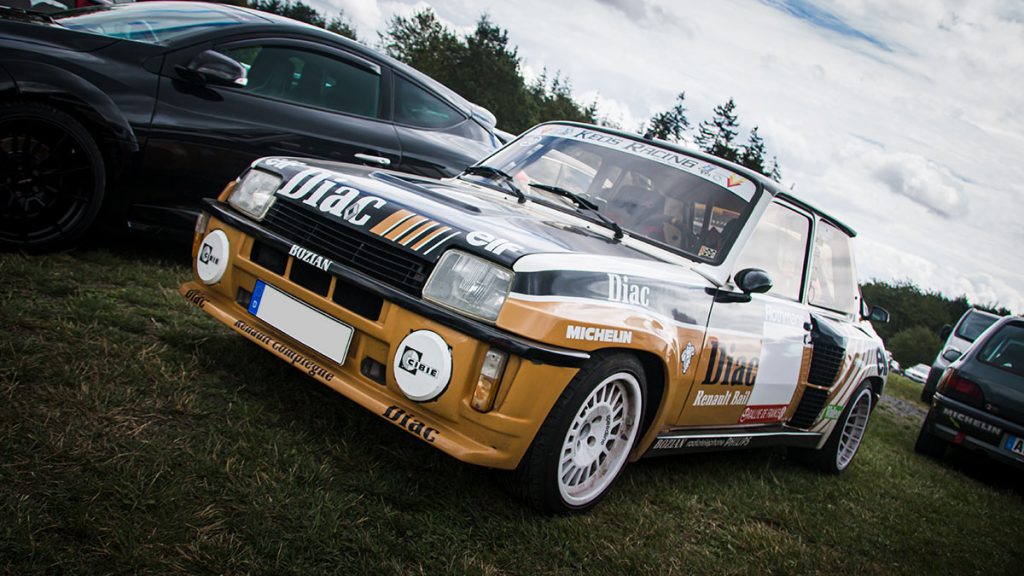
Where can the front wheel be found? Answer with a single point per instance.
(844, 442)
(584, 443)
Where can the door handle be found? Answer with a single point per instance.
(378, 160)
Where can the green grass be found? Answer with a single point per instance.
(138, 436)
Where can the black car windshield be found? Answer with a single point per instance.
(1005, 349)
(973, 325)
(665, 196)
(153, 23)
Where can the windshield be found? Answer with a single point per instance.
(1005, 349)
(973, 325)
(664, 196)
(153, 23)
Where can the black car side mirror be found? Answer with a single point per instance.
(879, 314)
(944, 333)
(210, 67)
(753, 281)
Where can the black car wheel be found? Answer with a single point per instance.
(844, 442)
(51, 177)
(929, 445)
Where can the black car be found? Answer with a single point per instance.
(136, 111)
(979, 402)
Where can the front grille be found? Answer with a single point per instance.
(826, 359)
(809, 408)
(378, 259)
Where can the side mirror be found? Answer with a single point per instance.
(753, 281)
(951, 354)
(945, 332)
(210, 67)
(879, 314)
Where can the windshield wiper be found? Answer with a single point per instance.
(580, 202)
(502, 176)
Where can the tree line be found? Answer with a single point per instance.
(916, 318)
(485, 68)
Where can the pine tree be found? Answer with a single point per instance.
(670, 125)
(716, 136)
(340, 24)
(773, 171)
(752, 154)
(424, 43)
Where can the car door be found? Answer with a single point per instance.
(756, 347)
(299, 99)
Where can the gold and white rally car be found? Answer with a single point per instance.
(580, 299)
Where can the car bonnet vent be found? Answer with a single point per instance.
(828, 352)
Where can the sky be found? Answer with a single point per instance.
(897, 117)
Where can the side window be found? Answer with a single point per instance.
(832, 283)
(417, 107)
(779, 247)
(309, 78)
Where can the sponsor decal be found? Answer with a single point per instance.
(212, 260)
(297, 358)
(727, 398)
(832, 411)
(621, 289)
(687, 356)
(593, 334)
(725, 178)
(282, 163)
(328, 193)
(957, 418)
(423, 365)
(881, 362)
(707, 252)
(677, 443)
(196, 297)
(206, 255)
(406, 420)
(725, 367)
(489, 242)
(760, 414)
(310, 257)
(418, 233)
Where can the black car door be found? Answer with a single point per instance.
(299, 99)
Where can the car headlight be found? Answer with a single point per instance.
(469, 284)
(254, 195)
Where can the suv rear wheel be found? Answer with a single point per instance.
(52, 178)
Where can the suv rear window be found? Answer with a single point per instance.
(1005, 349)
(973, 325)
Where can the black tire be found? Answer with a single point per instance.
(929, 445)
(52, 178)
(839, 450)
(927, 394)
(586, 399)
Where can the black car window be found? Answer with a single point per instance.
(973, 325)
(417, 107)
(779, 247)
(309, 78)
(1005, 349)
(832, 283)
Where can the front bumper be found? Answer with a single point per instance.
(533, 379)
(974, 429)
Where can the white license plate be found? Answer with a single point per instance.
(301, 321)
(1014, 444)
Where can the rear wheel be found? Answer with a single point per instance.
(929, 445)
(844, 442)
(584, 443)
(51, 177)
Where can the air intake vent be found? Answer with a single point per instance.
(809, 408)
(829, 350)
(378, 259)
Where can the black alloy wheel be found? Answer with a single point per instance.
(51, 178)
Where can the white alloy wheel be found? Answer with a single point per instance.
(599, 438)
(853, 429)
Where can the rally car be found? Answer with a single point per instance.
(580, 299)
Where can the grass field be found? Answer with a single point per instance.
(138, 436)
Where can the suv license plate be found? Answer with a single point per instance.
(301, 321)
(1014, 444)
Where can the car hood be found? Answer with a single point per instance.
(427, 217)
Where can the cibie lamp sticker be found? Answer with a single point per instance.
(422, 365)
(212, 260)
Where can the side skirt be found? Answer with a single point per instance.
(676, 442)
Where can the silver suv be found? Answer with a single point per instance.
(958, 338)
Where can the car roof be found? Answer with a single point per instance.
(769, 185)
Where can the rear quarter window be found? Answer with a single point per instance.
(1005, 349)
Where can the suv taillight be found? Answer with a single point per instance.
(955, 386)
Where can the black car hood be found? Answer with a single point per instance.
(426, 217)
